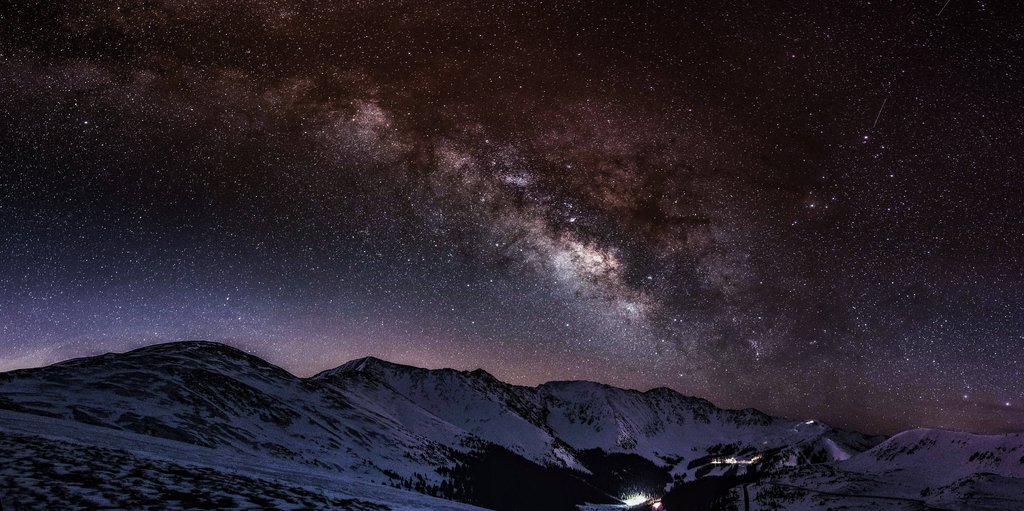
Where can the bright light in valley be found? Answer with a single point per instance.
(635, 499)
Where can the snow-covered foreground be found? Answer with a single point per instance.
(56, 464)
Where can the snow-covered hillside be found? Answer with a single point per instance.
(53, 463)
(938, 456)
(685, 432)
(392, 431)
(916, 469)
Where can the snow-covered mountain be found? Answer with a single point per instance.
(916, 469)
(920, 452)
(374, 433)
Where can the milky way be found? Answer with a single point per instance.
(811, 210)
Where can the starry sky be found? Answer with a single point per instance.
(811, 208)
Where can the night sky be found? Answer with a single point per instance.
(816, 210)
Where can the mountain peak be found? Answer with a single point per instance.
(364, 365)
(211, 355)
(198, 350)
(196, 346)
(374, 365)
(480, 373)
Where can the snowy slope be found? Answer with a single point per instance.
(921, 453)
(58, 464)
(921, 468)
(660, 425)
(667, 427)
(210, 395)
(474, 402)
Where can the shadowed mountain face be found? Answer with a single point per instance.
(462, 436)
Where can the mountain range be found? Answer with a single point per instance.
(201, 425)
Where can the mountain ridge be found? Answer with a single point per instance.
(461, 435)
(369, 362)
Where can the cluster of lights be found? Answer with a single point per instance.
(637, 498)
(732, 460)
